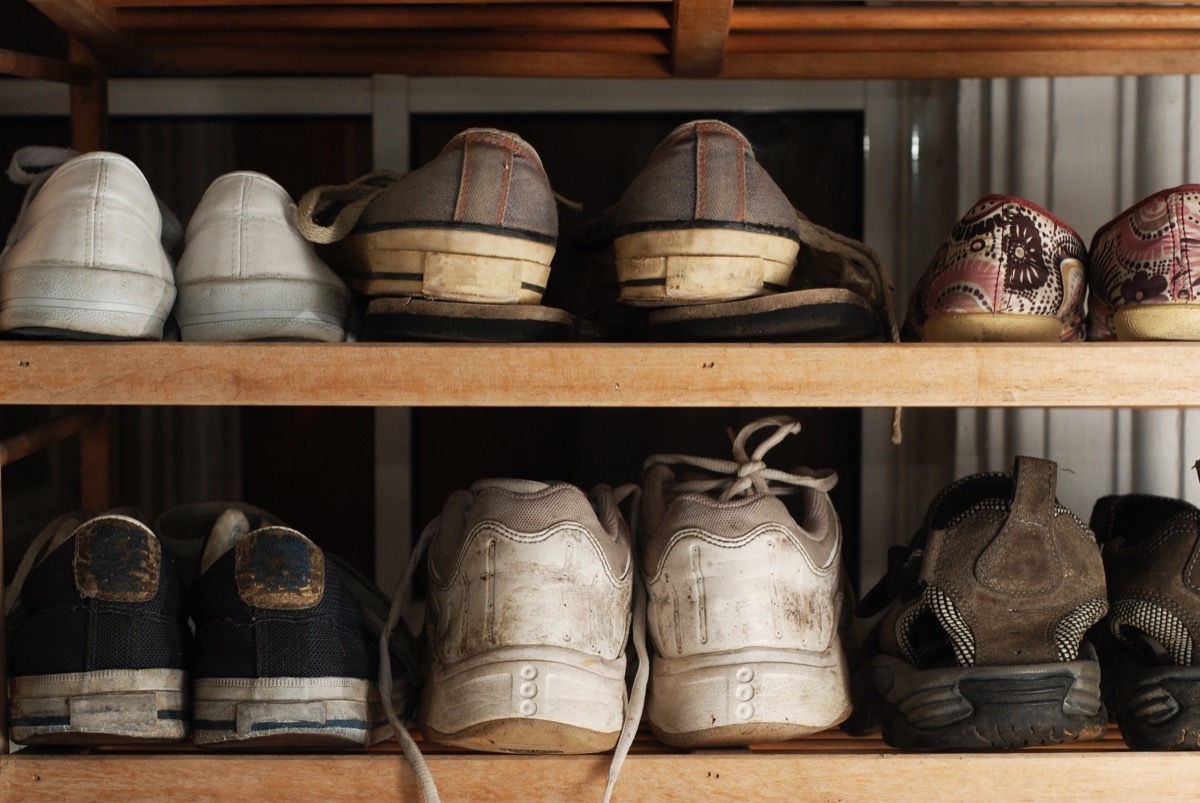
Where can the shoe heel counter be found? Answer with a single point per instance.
(278, 569)
(502, 185)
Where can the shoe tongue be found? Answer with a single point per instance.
(231, 526)
(516, 486)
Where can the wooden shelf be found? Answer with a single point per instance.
(823, 767)
(602, 375)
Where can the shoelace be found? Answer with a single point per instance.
(34, 164)
(637, 694)
(37, 549)
(356, 196)
(747, 470)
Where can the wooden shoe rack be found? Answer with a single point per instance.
(686, 38)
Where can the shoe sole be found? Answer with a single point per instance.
(445, 264)
(73, 301)
(508, 701)
(1171, 321)
(981, 708)
(101, 707)
(286, 712)
(986, 327)
(262, 309)
(697, 266)
(746, 696)
(812, 316)
(1158, 707)
(400, 319)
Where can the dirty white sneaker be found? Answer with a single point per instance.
(85, 257)
(248, 274)
(744, 597)
(529, 607)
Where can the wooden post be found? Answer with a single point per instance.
(698, 37)
(95, 462)
(89, 102)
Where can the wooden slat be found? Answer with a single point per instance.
(929, 17)
(95, 27)
(544, 16)
(602, 375)
(89, 102)
(390, 61)
(28, 66)
(945, 41)
(667, 778)
(218, 3)
(23, 444)
(698, 36)
(559, 41)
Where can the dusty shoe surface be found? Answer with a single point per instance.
(1009, 271)
(980, 645)
(1151, 664)
(1145, 272)
(247, 274)
(85, 258)
(744, 597)
(99, 645)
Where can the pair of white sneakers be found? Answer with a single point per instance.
(89, 257)
(534, 589)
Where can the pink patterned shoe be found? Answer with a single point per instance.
(1009, 271)
(1145, 270)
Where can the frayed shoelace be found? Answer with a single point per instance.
(637, 694)
(747, 472)
(34, 164)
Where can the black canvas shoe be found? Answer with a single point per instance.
(981, 643)
(98, 649)
(282, 655)
(1148, 642)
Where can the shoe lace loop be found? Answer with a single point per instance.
(352, 199)
(747, 472)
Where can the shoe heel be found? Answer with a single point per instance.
(284, 712)
(1171, 321)
(262, 309)
(445, 264)
(695, 266)
(746, 697)
(74, 301)
(100, 707)
(986, 327)
(560, 702)
(1158, 707)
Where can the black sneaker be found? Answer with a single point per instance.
(98, 636)
(282, 655)
(1148, 642)
(981, 643)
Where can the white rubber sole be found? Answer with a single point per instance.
(262, 309)
(445, 264)
(286, 712)
(698, 266)
(71, 299)
(101, 707)
(747, 697)
(526, 700)
(979, 327)
(1170, 321)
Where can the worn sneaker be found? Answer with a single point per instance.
(1151, 665)
(247, 274)
(85, 258)
(1008, 271)
(98, 649)
(528, 614)
(474, 229)
(744, 597)
(1143, 273)
(282, 657)
(981, 644)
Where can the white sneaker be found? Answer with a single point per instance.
(248, 274)
(85, 257)
(528, 613)
(744, 601)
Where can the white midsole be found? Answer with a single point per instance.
(134, 703)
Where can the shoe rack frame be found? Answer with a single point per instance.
(596, 38)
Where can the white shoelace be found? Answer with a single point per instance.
(637, 694)
(748, 471)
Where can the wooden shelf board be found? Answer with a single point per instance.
(602, 375)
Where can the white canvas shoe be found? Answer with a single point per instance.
(85, 257)
(744, 600)
(248, 274)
